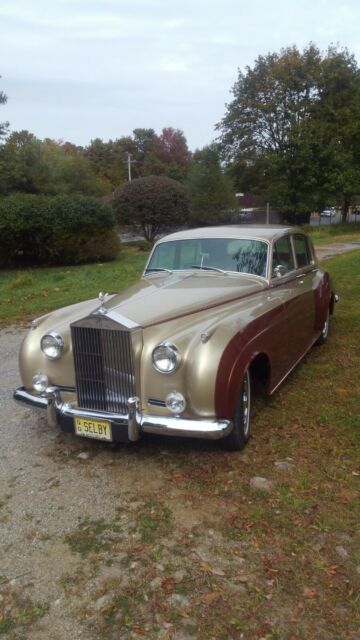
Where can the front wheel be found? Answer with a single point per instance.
(241, 431)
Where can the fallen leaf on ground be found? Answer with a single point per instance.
(332, 569)
(211, 598)
(212, 571)
(138, 630)
(168, 585)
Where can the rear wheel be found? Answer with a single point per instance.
(241, 431)
(325, 330)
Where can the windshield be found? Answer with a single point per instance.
(241, 255)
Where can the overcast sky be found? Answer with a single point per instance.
(80, 69)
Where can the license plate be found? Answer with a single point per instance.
(88, 428)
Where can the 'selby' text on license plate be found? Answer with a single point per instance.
(99, 429)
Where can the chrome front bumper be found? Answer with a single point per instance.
(135, 422)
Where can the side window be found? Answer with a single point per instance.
(302, 251)
(283, 255)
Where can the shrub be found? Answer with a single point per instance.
(152, 204)
(55, 230)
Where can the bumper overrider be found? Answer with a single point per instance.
(124, 428)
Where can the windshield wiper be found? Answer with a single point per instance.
(206, 268)
(158, 269)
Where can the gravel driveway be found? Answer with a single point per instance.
(50, 483)
(74, 516)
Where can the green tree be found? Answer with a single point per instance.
(30, 165)
(282, 134)
(336, 125)
(3, 125)
(24, 169)
(212, 192)
(152, 204)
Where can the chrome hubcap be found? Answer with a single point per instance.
(246, 404)
(326, 326)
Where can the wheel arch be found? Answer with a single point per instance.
(231, 374)
(260, 369)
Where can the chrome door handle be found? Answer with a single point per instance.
(301, 275)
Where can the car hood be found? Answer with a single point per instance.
(158, 298)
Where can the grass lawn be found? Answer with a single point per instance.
(28, 293)
(334, 233)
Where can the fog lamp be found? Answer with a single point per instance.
(175, 402)
(40, 382)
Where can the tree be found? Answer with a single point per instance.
(212, 192)
(30, 165)
(24, 169)
(152, 204)
(172, 154)
(282, 135)
(337, 122)
(3, 125)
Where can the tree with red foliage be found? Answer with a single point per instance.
(171, 149)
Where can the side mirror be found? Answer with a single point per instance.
(279, 270)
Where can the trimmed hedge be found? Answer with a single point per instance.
(42, 230)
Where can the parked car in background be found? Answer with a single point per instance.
(216, 310)
(329, 212)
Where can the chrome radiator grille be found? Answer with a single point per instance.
(103, 368)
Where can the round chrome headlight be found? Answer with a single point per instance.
(166, 358)
(52, 345)
(175, 402)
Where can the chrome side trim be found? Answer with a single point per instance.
(137, 423)
(294, 365)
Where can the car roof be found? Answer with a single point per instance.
(260, 232)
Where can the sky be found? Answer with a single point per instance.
(76, 70)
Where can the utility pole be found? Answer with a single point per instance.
(267, 213)
(129, 162)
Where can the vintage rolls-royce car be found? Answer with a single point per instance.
(216, 310)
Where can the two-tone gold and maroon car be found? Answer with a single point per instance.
(177, 354)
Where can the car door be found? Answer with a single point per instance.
(295, 281)
(305, 285)
(282, 286)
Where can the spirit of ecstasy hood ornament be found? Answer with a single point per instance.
(102, 297)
